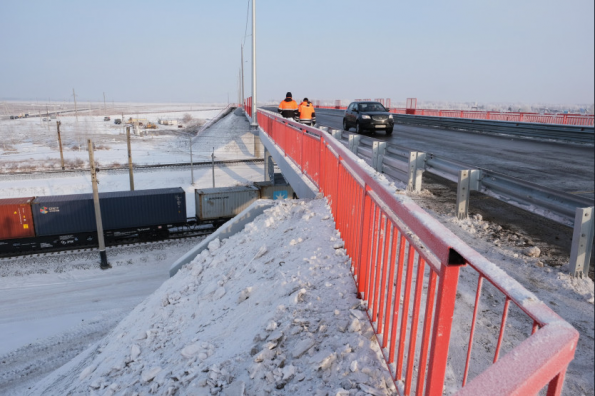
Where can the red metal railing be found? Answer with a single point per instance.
(562, 119)
(248, 106)
(406, 267)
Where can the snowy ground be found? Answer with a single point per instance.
(54, 306)
(271, 310)
(31, 144)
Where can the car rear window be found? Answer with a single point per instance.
(371, 107)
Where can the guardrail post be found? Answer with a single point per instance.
(582, 242)
(337, 134)
(468, 181)
(378, 151)
(416, 168)
(354, 143)
(463, 195)
(420, 168)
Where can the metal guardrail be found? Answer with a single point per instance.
(569, 133)
(406, 266)
(408, 165)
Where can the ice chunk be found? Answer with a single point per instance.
(532, 251)
(237, 388)
(288, 372)
(302, 347)
(355, 326)
(299, 297)
(134, 352)
(271, 326)
(219, 293)
(191, 350)
(244, 294)
(275, 336)
(370, 390)
(261, 252)
(197, 269)
(148, 375)
(214, 245)
(86, 372)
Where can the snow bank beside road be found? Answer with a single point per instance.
(271, 310)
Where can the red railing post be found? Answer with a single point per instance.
(555, 386)
(447, 293)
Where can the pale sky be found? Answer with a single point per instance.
(529, 51)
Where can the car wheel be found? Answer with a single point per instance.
(389, 131)
(358, 128)
(345, 125)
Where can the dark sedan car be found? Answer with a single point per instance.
(368, 116)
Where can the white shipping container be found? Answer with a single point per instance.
(224, 202)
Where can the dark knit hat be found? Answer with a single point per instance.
(289, 95)
(306, 100)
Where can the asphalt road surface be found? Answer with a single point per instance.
(561, 166)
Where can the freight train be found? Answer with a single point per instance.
(61, 222)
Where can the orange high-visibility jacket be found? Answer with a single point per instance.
(288, 108)
(306, 111)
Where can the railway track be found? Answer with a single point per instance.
(131, 242)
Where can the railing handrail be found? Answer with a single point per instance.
(443, 244)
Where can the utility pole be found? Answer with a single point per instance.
(60, 144)
(75, 111)
(254, 97)
(102, 254)
(104, 108)
(213, 165)
(243, 97)
(130, 172)
(191, 164)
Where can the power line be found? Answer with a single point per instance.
(247, 18)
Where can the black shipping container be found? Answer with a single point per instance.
(63, 214)
(69, 214)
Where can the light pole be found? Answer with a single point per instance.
(254, 123)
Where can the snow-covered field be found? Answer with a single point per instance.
(30, 144)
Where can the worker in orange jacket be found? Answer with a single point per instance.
(289, 107)
(307, 113)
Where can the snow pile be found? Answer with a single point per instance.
(271, 310)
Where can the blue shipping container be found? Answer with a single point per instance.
(69, 214)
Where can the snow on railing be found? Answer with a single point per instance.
(407, 265)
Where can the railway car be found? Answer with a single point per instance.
(64, 221)
(61, 222)
(218, 205)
